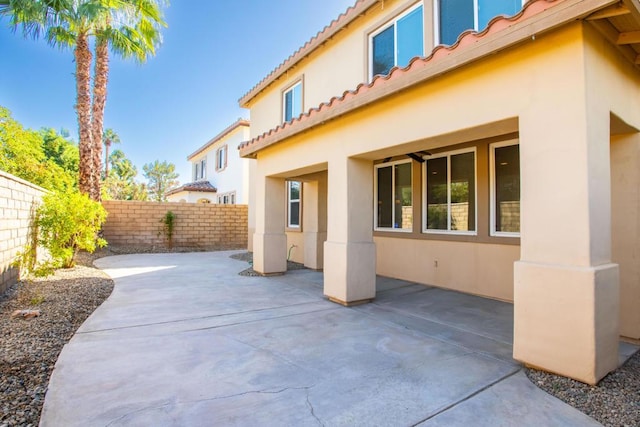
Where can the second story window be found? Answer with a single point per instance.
(200, 170)
(397, 42)
(221, 158)
(292, 102)
(203, 168)
(457, 16)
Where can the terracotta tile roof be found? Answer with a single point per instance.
(198, 187)
(218, 137)
(352, 13)
(501, 32)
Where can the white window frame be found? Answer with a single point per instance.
(221, 162)
(393, 188)
(492, 190)
(436, 18)
(288, 89)
(289, 200)
(385, 26)
(203, 168)
(448, 155)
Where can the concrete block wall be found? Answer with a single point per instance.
(196, 226)
(18, 200)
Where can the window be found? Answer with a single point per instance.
(450, 193)
(200, 169)
(505, 189)
(292, 102)
(457, 16)
(203, 168)
(227, 198)
(394, 196)
(293, 204)
(221, 158)
(396, 43)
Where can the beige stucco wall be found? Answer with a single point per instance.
(339, 66)
(480, 269)
(556, 91)
(625, 197)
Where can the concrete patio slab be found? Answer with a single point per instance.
(185, 341)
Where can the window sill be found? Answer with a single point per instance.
(393, 230)
(293, 229)
(468, 238)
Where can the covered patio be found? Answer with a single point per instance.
(185, 340)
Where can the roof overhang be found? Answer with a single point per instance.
(238, 123)
(537, 17)
(337, 25)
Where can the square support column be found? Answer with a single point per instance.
(315, 221)
(565, 285)
(269, 239)
(349, 252)
(625, 198)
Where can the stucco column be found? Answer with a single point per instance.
(349, 252)
(565, 285)
(314, 221)
(625, 197)
(269, 240)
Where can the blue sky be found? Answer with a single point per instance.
(213, 52)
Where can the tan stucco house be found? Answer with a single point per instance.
(482, 146)
(219, 174)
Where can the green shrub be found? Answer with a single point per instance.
(168, 223)
(68, 222)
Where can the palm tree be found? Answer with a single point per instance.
(132, 32)
(129, 27)
(109, 137)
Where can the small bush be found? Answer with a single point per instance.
(68, 222)
(168, 222)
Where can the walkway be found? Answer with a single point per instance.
(185, 341)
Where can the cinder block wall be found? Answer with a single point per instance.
(196, 226)
(18, 200)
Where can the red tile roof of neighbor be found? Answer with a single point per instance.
(536, 16)
(218, 137)
(198, 187)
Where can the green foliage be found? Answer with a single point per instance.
(168, 223)
(162, 177)
(44, 158)
(60, 150)
(121, 184)
(69, 222)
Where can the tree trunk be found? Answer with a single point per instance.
(107, 145)
(83, 108)
(100, 78)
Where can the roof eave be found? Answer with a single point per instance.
(337, 25)
(526, 25)
(238, 123)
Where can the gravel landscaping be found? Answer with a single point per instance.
(29, 348)
(615, 401)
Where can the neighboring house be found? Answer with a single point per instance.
(219, 174)
(502, 163)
